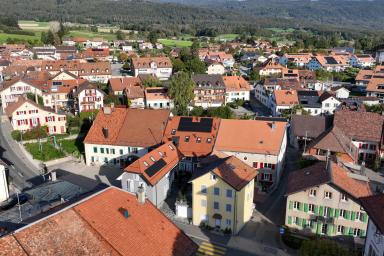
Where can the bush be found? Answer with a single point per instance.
(292, 241)
(324, 247)
(33, 134)
(227, 231)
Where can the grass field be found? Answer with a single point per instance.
(33, 25)
(227, 37)
(90, 35)
(72, 146)
(49, 152)
(175, 43)
(4, 37)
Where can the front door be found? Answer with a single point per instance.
(217, 222)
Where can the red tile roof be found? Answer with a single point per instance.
(145, 62)
(167, 152)
(97, 226)
(236, 83)
(286, 97)
(119, 84)
(194, 147)
(129, 127)
(252, 136)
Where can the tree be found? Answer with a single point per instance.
(324, 247)
(120, 35)
(178, 65)
(181, 91)
(32, 97)
(123, 57)
(152, 37)
(195, 65)
(151, 82)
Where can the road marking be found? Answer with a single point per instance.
(210, 249)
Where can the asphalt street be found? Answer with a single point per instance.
(23, 174)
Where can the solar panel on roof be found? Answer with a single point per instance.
(330, 60)
(157, 166)
(187, 124)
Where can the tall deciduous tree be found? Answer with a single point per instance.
(181, 91)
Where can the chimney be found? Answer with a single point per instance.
(105, 132)
(273, 125)
(124, 212)
(141, 194)
(107, 110)
(112, 107)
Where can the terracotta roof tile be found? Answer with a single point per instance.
(236, 83)
(145, 62)
(10, 247)
(129, 127)
(119, 84)
(254, 136)
(286, 97)
(166, 152)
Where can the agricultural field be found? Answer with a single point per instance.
(91, 35)
(4, 37)
(31, 25)
(175, 43)
(227, 37)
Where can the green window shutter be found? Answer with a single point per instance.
(351, 231)
(362, 233)
(330, 229)
(290, 205)
(346, 231)
(301, 206)
(304, 223)
(337, 213)
(299, 221)
(321, 211)
(289, 220)
(365, 217)
(330, 212)
(347, 215)
(318, 230)
(316, 209)
(353, 216)
(305, 207)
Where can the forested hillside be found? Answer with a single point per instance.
(211, 18)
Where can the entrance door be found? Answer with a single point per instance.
(217, 222)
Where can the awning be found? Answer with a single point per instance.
(217, 216)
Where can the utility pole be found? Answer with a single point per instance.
(18, 203)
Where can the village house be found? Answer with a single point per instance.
(374, 206)
(260, 144)
(323, 199)
(101, 224)
(222, 194)
(236, 88)
(224, 58)
(332, 63)
(362, 61)
(10, 90)
(88, 97)
(25, 115)
(375, 88)
(216, 69)
(161, 67)
(119, 136)
(157, 98)
(356, 134)
(154, 173)
(298, 59)
(304, 129)
(194, 137)
(209, 90)
(283, 100)
(271, 68)
(128, 89)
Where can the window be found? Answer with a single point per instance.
(229, 193)
(94, 149)
(296, 205)
(186, 139)
(203, 189)
(102, 150)
(266, 176)
(145, 163)
(312, 192)
(107, 149)
(326, 211)
(296, 220)
(216, 205)
(135, 150)
(198, 139)
(340, 229)
(342, 213)
(228, 222)
(326, 105)
(228, 207)
(372, 147)
(213, 177)
(153, 159)
(203, 203)
(121, 151)
(311, 208)
(359, 216)
(209, 140)
(327, 195)
(112, 151)
(204, 218)
(324, 229)
(216, 191)
(344, 197)
(356, 232)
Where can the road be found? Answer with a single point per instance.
(22, 172)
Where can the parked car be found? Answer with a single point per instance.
(12, 201)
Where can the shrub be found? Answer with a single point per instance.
(292, 241)
(47, 152)
(33, 134)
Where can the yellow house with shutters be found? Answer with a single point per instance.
(323, 199)
(222, 194)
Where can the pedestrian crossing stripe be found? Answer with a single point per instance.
(210, 250)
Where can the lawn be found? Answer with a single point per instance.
(227, 37)
(175, 43)
(72, 146)
(5, 36)
(33, 25)
(49, 152)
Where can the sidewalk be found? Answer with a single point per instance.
(233, 242)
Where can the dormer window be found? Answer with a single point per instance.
(173, 132)
(172, 148)
(209, 140)
(186, 139)
(198, 139)
(153, 159)
(145, 163)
